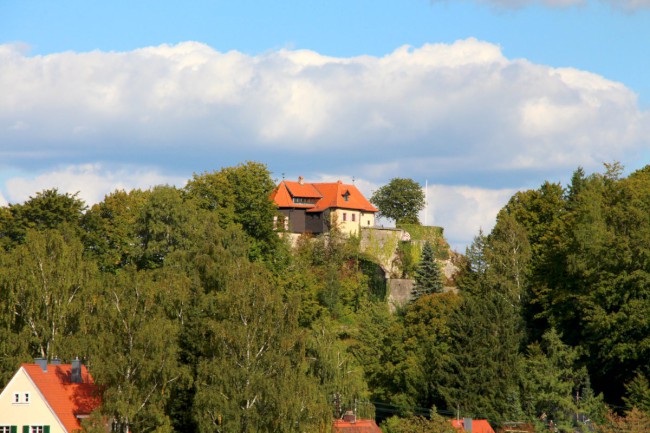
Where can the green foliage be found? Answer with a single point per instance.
(381, 245)
(339, 376)
(434, 424)
(428, 276)
(47, 210)
(251, 373)
(407, 258)
(434, 235)
(110, 229)
(42, 283)
(634, 421)
(482, 374)
(240, 195)
(638, 393)
(401, 200)
(194, 315)
(134, 349)
(554, 387)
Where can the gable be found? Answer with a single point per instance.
(34, 411)
(67, 400)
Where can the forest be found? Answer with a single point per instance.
(195, 316)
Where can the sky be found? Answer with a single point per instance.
(477, 99)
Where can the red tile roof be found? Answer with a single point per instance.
(327, 195)
(66, 399)
(478, 425)
(359, 426)
(305, 190)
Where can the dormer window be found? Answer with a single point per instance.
(304, 200)
(346, 196)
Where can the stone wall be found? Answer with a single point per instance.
(381, 244)
(399, 292)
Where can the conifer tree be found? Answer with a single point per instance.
(428, 278)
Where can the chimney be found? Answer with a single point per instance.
(42, 362)
(55, 361)
(349, 416)
(75, 376)
(301, 180)
(467, 424)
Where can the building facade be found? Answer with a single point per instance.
(47, 398)
(316, 207)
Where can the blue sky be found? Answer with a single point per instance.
(481, 98)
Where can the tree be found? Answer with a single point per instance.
(134, 352)
(241, 195)
(551, 382)
(419, 424)
(401, 200)
(111, 228)
(41, 284)
(634, 421)
(638, 393)
(428, 278)
(252, 369)
(47, 210)
(483, 371)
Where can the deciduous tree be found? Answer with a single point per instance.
(400, 200)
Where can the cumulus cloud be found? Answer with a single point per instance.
(461, 109)
(91, 181)
(464, 210)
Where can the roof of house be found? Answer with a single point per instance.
(324, 195)
(358, 426)
(67, 399)
(478, 425)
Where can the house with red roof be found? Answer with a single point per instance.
(315, 207)
(472, 425)
(350, 424)
(47, 398)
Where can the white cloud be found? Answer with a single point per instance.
(3, 201)
(91, 181)
(462, 211)
(455, 109)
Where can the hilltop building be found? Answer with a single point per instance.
(315, 207)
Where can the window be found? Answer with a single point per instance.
(36, 429)
(346, 196)
(353, 217)
(20, 398)
(345, 216)
(8, 429)
(304, 200)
